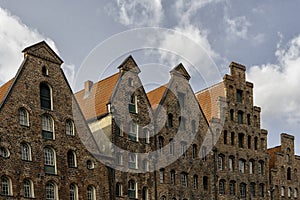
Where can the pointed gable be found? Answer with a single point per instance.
(129, 64)
(180, 70)
(43, 51)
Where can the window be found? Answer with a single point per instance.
(203, 156)
(133, 133)
(241, 140)
(4, 152)
(130, 82)
(73, 192)
(249, 142)
(132, 106)
(295, 193)
(240, 117)
(282, 191)
(195, 180)
(183, 179)
(287, 158)
(242, 166)
(289, 174)
(47, 127)
(289, 192)
(242, 190)
(170, 120)
(260, 167)
(255, 143)
(225, 137)
(262, 143)
(194, 151)
(251, 166)
(181, 99)
(163, 197)
(261, 190)
(6, 189)
(222, 187)
(146, 165)
(49, 161)
(70, 127)
(193, 124)
(252, 189)
(146, 135)
(220, 162)
(181, 123)
(205, 183)
(239, 95)
(232, 138)
(162, 175)
(160, 143)
(119, 130)
(132, 189)
(89, 164)
(71, 159)
(171, 146)
(26, 152)
(145, 193)
(28, 188)
(119, 159)
(51, 193)
(172, 177)
(255, 121)
(232, 188)
(132, 162)
(91, 192)
(183, 149)
(248, 119)
(23, 117)
(231, 164)
(45, 96)
(118, 189)
(231, 115)
(44, 71)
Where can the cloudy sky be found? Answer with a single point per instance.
(204, 35)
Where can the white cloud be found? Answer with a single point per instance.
(14, 37)
(277, 88)
(237, 27)
(137, 13)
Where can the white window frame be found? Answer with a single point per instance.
(70, 127)
(6, 186)
(242, 166)
(51, 191)
(23, 117)
(26, 152)
(91, 192)
(132, 160)
(28, 188)
(73, 192)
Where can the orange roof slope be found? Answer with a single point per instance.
(4, 89)
(93, 104)
(156, 95)
(208, 100)
(272, 152)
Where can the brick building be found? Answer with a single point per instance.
(112, 140)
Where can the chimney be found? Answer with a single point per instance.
(87, 86)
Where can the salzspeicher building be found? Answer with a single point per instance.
(112, 140)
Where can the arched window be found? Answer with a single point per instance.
(282, 191)
(289, 192)
(45, 96)
(172, 177)
(295, 193)
(6, 186)
(289, 174)
(161, 175)
(28, 188)
(249, 142)
(260, 167)
(255, 143)
(261, 190)
(232, 188)
(90, 164)
(71, 159)
(194, 153)
(47, 127)
(132, 161)
(51, 192)
(26, 151)
(145, 193)
(184, 179)
(91, 192)
(170, 120)
(73, 192)
(225, 137)
(44, 71)
(242, 190)
(240, 116)
(183, 148)
(195, 180)
(160, 143)
(70, 127)
(203, 153)
(132, 189)
(252, 189)
(221, 162)
(205, 183)
(222, 187)
(171, 146)
(133, 131)
(251, 166)
(241, 140)
(181, 123)
(23, 117)
(242, 166)
(4, 152)
(232, 135)
(231, 115)
(49, 161)
(163, 197)
(132, 106)
(248, 119)
(193, 124)
(118, 189)
(231, 163)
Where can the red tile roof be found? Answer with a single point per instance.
(156, 95)
(4, 89)
(208, 100)
(93, 103)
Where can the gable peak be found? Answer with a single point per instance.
(180, 70)
(129, 64)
